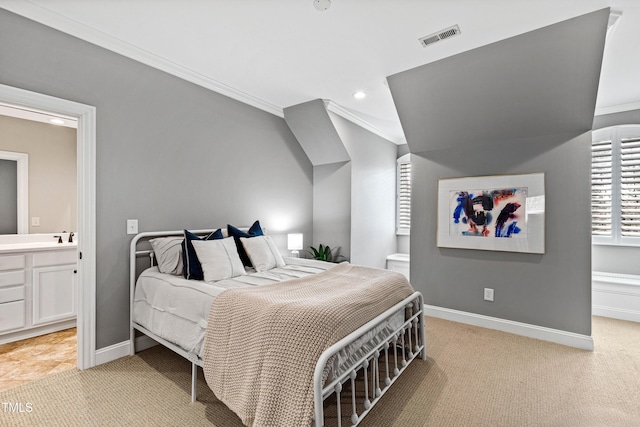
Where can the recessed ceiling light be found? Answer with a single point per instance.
(359, 95)
(57, 121)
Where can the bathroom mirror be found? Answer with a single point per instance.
(14, 197)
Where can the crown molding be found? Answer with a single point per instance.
(84, 32)
(617, 108)
(354, 118)
(50, 18)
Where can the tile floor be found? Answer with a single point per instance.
(33, 358)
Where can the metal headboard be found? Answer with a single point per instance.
(135, 253)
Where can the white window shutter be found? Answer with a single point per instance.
(630, 187)
(601, 188)
(403, 202)
(615, 185)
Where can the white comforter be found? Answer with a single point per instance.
(177, 309)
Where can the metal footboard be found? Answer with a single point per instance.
(402, 346)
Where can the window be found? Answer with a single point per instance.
(403, 195)
(615, 185)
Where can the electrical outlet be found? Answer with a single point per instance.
(488, 294)
(132, 226)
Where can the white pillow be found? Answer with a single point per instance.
(219, 259)
(168, 253)
(262, 252)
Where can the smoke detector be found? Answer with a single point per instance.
(322, 5)
(440, 35)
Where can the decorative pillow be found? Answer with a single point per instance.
(219, 259)
(262, 252)
(168, 253)
(192, 267)
(236, 233)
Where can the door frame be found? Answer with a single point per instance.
(86, 193)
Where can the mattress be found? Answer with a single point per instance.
(177, 309)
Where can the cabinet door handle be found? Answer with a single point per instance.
(75, 271)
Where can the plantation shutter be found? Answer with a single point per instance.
(630, 187)
(601, 188)
(404, 198)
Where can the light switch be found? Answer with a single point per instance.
(132, 226)
(35, 221)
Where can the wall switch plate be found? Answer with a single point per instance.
(488, 294)
(132, 226)
(35, 221)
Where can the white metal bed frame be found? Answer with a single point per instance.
(405, 343)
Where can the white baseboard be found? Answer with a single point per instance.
(122, 349)
(616, 313)
(570, 339)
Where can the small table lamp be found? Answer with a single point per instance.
(294, 243)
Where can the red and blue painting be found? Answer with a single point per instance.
(489, 212)
(493, 213)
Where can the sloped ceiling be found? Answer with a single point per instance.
(543, 82)
(314, 130)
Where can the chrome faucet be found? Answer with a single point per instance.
(71, 237)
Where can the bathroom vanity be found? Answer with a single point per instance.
(38, 288)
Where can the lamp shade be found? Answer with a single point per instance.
(294, 241)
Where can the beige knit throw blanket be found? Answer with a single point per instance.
(262, 343)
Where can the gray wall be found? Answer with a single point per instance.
(551, 290)
(8, 196)
(521, 105)
(332, 206)
(616, 259)
(169, 153)
(373, 193)
(52, 170)
(354, 183)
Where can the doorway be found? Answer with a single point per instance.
(86, 148)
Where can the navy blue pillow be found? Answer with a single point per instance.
(192, 266)
(254, 230)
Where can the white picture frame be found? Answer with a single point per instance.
(493, 213)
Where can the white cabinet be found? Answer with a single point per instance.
(399, 263)
(38, 291)
(54, 294)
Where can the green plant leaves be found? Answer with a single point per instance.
(325, 253)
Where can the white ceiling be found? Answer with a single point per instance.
(277, 53)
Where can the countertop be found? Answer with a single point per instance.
(36, 246)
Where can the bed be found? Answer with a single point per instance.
(344, 374)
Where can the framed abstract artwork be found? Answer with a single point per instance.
(493, 213)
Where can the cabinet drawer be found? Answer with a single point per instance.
(12, 262)
(60, 257)
(15, 293)
(11, 278)
(12, 315)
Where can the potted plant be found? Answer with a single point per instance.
(325, 253)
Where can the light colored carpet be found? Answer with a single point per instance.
(473, 377)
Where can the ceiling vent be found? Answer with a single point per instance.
(440, 35)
